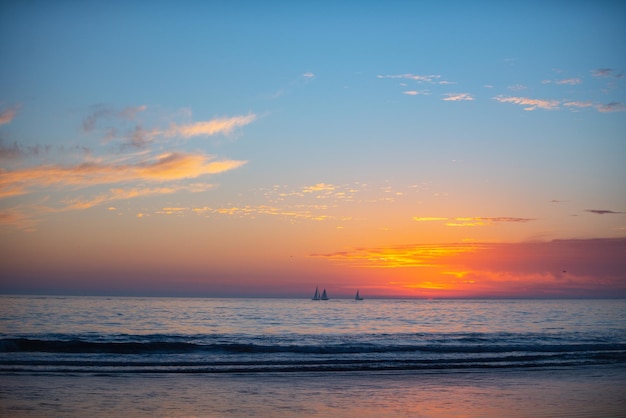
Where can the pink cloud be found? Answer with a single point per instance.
(456, 97)
(531, 104)
(7, 115)
(569, 81)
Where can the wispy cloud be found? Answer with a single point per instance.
(607, 73)
(308, 74)
(569, 81)
(456, 97)
(416, 92)
(99, 112)
(58, 184)
(578, 104)
(474, 221)
(210, 127)
(486, 221)
(17, 218)
(139, 167)
(517, 87)
(566, 81)
(130, 193)
(140, 137)
(531, 104)
(611, 107)
(429, 79)
(8, 114)
(421, 255)
(166, 167)
(16, 151)
(113, 124)
(600, 107)
(604, 212)
(298, 213)
(319, 187)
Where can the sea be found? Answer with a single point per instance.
(111, 356)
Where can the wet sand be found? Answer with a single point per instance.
(580, 392)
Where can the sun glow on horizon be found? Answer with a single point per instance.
(266, 151)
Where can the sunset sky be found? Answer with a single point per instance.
(262, 148)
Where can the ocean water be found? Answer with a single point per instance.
(118, 349)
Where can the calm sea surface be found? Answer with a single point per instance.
(290, 344)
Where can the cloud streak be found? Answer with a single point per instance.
(166, 167)
(611, 107)
(429, 79)
(415, 93)
(531, 104)
(211, 127)
(604, 212)
(606, 73)
(130, 193)
(17, 151)
(569, 81)
(474, 221)
(457, 97)
(99, 112)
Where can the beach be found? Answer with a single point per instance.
(581, 392)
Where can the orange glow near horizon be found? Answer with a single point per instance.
(490, 269)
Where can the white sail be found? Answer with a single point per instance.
(316, 296)
(324, 295)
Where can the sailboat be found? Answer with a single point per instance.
(357, 297)
(324, 295)
(316, 296)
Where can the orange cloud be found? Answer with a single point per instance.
(482, 221)
(177, 166)
(592, 267)
(319, 187)
(122, 194)
(424, 255)
(167, 167)
(473, 221)
(300, 212)
(18, 219)
(211, 127)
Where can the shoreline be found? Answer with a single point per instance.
(583, 391)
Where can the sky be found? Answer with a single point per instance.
(425, 149)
